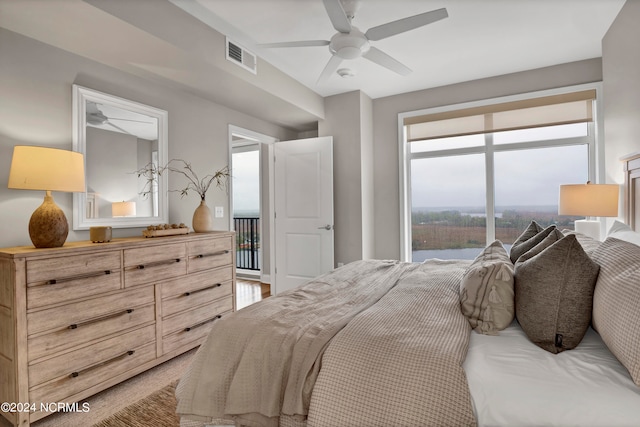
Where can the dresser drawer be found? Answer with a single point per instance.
(187, 338)
(210, 253)
(86, 358)
(197, 317)
(154, 263)
(197, 289)
(60, 328)
(106, 368)
(56, 280)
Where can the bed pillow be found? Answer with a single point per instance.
(554, 293)
(530, 238)
(622, 231)
(486, 290)
(616, 301)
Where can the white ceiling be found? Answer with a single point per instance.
(480, 38)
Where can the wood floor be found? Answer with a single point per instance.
(250, 291)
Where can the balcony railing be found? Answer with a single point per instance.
(247, 243)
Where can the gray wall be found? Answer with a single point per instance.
(348, 119)
(35, 109)
(385, 131)
(621, 73)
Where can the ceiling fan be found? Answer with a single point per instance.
(350, 43)
(96, 117)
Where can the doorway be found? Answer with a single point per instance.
(246, 201)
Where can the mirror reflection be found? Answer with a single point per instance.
(118, 137)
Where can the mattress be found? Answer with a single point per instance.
(514, 382)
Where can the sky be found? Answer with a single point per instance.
(522, 177)
(246, 181)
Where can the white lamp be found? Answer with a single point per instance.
(123, 209)
(48, 169)
(590, 200)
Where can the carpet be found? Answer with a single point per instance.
(156, 410)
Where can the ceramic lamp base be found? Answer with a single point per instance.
(48, 226)
(587, 227)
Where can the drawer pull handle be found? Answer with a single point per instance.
(80, 276)
(217, 285)
(100, 319)
(197, 325)
(97, 365)
(157, 263)
(212, 254)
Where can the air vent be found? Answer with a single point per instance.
(242, 57)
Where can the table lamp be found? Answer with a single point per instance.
(48, 169)
(590, 200)
(123, 209)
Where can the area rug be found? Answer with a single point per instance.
(155, 410)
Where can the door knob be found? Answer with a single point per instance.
(326, 227)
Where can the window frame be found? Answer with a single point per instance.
(594, 140)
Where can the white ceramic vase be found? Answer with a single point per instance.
(202, 220)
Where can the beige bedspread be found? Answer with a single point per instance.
(242, 371)
(390, 336)
(399, 363)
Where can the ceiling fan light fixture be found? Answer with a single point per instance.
(349, 46)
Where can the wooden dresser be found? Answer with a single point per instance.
(81, 318)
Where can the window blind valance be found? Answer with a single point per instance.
(575, 107)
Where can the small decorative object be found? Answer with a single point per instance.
(165, 230)
(48, 169)
(202, 220)
(100, 234)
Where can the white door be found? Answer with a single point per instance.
(303, 193)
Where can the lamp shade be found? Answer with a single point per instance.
(41, 168)
(123, 209)
(589, 199)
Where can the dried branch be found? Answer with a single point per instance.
(151, 172)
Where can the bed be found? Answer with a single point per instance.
(547, 334)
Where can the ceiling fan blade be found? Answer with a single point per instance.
(406, 24)
(337, 15)
(304, 43)
(118, 128)
(381, 58)
(329, 69)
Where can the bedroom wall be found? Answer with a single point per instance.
(35, 109)
(385, 130)
(348, 120)
(621, 74)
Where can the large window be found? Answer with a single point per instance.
(483, 172)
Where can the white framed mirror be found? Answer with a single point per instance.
(118, 137)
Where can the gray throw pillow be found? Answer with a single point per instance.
(616, 302)
(529, 239)
(554, 294)
(486, 290)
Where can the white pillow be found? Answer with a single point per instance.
(622, 231)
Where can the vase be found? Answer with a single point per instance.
(202, 220)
